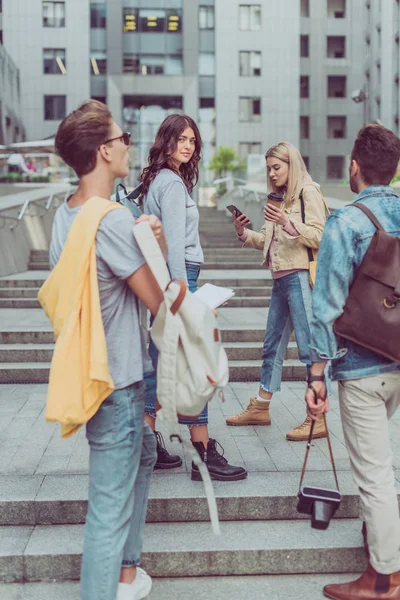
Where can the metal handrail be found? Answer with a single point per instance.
(27, 203)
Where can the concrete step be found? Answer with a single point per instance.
(19, 303)
(261, 291)
(235, 282)
(250, 301)
(264, 496)
(231, 265)
(256, 587)
(190, 550)
(26, 336)
(31, 353)
(28, 292)
(38, 266)
(24, 372)
(33, 336)
(248, 370)
(253, 350)
(22, 283)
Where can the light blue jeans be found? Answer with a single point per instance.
(150, 378)
(290, 308)
(122, 457)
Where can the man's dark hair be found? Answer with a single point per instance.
(81, 134)
(377, 153)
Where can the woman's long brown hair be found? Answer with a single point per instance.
(165, 145)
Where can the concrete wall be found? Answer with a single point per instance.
(33, 232)
(25, 37)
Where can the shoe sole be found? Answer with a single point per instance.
(315, 437)
(197, 477)
(168, 465)
(145, 593)
(251, 423)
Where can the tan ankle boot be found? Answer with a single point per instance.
(301, 432)
(257, 413)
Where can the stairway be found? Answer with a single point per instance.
(42, 515)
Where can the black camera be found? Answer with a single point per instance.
(320, 503)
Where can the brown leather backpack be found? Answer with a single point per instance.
(371, 315)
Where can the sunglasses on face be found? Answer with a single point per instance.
(125, 137)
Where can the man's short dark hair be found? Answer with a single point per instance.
(377, 153)
(81, 134)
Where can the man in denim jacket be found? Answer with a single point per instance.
(369, 384)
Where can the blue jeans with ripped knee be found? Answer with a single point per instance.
(150, 378)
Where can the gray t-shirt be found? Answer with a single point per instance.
(169, 200)
(118, 257)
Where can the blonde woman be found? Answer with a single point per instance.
(284, 239)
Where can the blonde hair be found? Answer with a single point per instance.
(297, 175)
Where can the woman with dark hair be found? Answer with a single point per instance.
(168, 181)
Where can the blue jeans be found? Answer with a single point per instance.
(150, 379)
(290, 308)
(122, 458)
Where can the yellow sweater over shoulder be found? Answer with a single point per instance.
(79, 376)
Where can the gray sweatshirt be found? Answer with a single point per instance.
(168, 199)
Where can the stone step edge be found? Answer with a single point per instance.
(190, 549)
(270, 495)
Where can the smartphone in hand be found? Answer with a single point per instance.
(235, 211)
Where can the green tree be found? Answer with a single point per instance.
(225, 161)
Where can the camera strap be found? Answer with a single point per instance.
(309, 444)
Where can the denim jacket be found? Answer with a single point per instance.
(347, 235)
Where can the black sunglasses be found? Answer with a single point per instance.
(125, 137)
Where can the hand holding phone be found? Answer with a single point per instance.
(240, 221)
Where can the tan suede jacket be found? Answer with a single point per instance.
(290, 252)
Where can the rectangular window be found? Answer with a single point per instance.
(305, 8)
(250, 17)
(98, 63)
(336, 127)
(98, 18)
(336, 9)
(53, 14)
(206, 64)
(152, 20)
(304, 46)
(1, 36)
(55, 108)
(304, 86)
(250, 64)
(206, 17)
(102, 99)
(153, 64)
(304, 128)
(207, 102)
(54, 61)
(336, 86)
(246, 148)
(336, 46)
(250, 109)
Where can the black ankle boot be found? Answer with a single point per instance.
(217, 465)
(165, 460)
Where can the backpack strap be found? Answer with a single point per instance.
(369, 214)
(152, 253)
(303, 218)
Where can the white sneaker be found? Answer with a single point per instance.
(139, 589)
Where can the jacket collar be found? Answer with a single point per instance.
(374, 190)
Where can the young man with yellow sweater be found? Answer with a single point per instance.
(91, 297)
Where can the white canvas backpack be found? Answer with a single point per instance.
(192, 363)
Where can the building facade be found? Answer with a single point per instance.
(251, 72)
(11, 124)
(382, 62)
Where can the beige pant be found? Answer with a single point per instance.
(366, 406)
